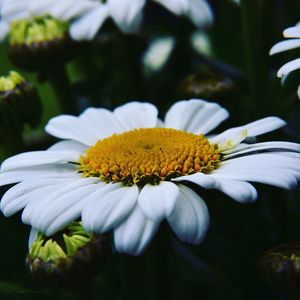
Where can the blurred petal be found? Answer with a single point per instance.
(127, 13)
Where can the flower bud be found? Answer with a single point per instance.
(19, 102)
(280, 267)
(39, 42)
(69, 259)
(208, 85)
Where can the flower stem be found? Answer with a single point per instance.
(255, 55)
(60, 83)
(149, 277)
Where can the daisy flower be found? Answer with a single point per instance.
(293, 41)
(16, 10)
(126, 171)
(128, 14)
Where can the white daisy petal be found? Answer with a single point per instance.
(105, 210)
(34, 199)
(135, 233)
(14, 9)
(32, 237)
(86, 27)
(102, 121)
(190, 218)
(252, 129)
(285, 45)
(64, 201)
(243, 149)
(17, 197)
(127, 13)
(289, 67)
(292, 32)
(158, 201)
(36, 158)
(196, 115)
(35, 172)
(136, 115)
(73, 206)
(200, 13)
(68, 145)
(235, 189)
(69, 127)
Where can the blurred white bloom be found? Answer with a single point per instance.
(293, 41)
(13, 10)
(158, 53)
(127, 14)
(126, 171)
(201, 43)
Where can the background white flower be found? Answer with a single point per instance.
(293, 41)
(128, 14)
(52, 192)
(13, 10)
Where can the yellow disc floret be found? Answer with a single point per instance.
(149, 155)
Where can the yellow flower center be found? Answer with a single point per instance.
(149, 155)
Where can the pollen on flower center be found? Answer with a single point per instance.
(149, 155)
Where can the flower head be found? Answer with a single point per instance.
(293, 41)
(127, 171)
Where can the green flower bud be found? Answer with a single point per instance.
(39, 42)
(280, 267)
(19, 102)
(69, 259)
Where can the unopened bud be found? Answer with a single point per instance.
(39, 42)
(207, 85)
(69, 259)
(19, 102)
(280, 268)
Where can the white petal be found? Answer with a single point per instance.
(107, 208)
(14, 9)
(158, 201)
(32, 173)
(235, 189)
(135, 233)
(17, 197)
(289, 67)
(127, 13)
(177, 7)
(136, 115)
(72, 128)
(292, 32)
(199, 12)
(32, 237)
(36, 158)
(102, 122)
(190, 218)
(87, 26)
(273, 169)
(265, 146)
(68, 145)
(59, 207)
(78, 8)
(196, 115)
(285, 45)
(4, 29)
(253, 129)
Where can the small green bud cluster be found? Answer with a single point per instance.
(10, 82)
(37, 30)
(69, 259)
